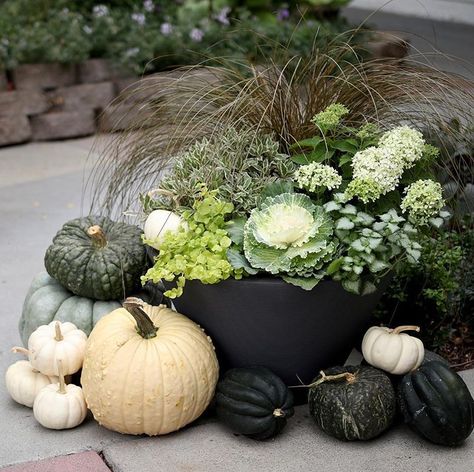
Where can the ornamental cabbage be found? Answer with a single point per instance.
(290, 236)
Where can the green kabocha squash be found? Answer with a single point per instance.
(97, 258)
(352, 402)
(47, 300)
(437, 404)
(253, 401)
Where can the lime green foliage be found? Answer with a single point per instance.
(288, 235)
(197, 251)
(237, 164)
(423, 201)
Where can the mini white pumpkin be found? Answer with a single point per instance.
(60, 406)
(157, 224)
(393, 350)
(24, 382)
(57, 341)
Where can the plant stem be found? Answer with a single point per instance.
(405, 328)
(145, 327)
(348, 376)
(21, 350)
(62, 384)
(57, 327)
(278, 412)
(97, 235)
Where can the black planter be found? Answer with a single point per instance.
(265, 321)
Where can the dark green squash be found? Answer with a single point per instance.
(431, 356)
(253, 401)
(437, 404)
(97, 258)
(352, 402)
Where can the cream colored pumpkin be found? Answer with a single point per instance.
(148, 374)
(24, 382)
(393, 350)
(60, 406)
(57, 341)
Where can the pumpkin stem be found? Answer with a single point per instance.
(165, 193)
(62, 384)
(406, 328)
(97, 235)
(145, 327)
(278, 412)
(348, 376)
(59, 336)
(21, 350)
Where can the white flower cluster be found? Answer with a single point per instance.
(423, 200)
(380, 168)
(405, 144)
(314, 175)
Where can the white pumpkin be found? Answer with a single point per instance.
(148, 370)
(60, 406)
(393, 350)
(57, 341)
(158, 223)
(24, 382)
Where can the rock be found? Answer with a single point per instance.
(388, 45)
(96, 96)
(43, 76)
(64, 124)
(94, 70)
(27, 102)
(14, 129)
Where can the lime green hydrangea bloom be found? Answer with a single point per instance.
(423, 201)
(368, 190)
(330, 117)
(405, 144)
(314, 175)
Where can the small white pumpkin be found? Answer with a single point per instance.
(157, 224)
(57, 341)
(393, 350)
(24, 382)
(60, 406)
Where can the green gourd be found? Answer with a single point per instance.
(47, 300)
(352, 402)
(437, 404)
(253, 401)
(97, 258)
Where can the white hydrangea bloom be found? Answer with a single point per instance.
(423, 200)
(405, 144)
(377, 164)
(314, 175)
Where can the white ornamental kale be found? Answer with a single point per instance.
(290, 236)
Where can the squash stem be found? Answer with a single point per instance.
(21, 350)
(405, 328)
(348, 376)
(97, 235)
(278, 413)
(57, 328)
(62, 383)
(145, 327)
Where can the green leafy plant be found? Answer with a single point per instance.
(197, 251)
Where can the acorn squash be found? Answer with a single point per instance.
(97, 258)
(352, 402)
(253, 401)
(437, 404)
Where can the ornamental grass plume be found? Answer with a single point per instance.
(278, 98)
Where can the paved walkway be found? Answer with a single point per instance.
(40, 188)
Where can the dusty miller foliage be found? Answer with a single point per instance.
(239, 164)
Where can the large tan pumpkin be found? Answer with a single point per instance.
(148, 374)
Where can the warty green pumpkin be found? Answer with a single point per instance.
(47, 300)
(352, 402)
(437, 404)
(253, 401)
(97, 258)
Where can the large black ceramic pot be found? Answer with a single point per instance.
(266, 321)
